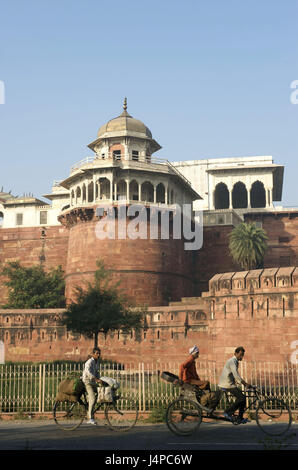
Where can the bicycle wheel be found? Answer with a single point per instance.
(273, 416)
(122, 415)
(183, 417)
(69, 415)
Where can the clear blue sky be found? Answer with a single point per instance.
(209, 78)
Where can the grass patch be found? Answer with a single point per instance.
(21, 415)
(157, 415)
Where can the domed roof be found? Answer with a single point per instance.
(126, 125)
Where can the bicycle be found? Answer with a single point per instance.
(70, 414)
(185, 414)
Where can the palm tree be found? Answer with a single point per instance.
(247, 245)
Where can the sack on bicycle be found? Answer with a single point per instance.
(106, 393)
(206, 398)
(210, 399)
(70, 389)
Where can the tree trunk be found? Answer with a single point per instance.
(96, 340)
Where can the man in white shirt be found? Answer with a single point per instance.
(90, 379)
(229, 380)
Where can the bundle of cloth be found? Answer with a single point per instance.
(106, 393)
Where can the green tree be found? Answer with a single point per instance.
(247, 245)
(101, 307)
(33, 287)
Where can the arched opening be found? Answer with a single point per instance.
(221, 196)
(147, 193)
(239, 196)
(91, 192)
(1, 218)
(78, 194)
(160, 193)
(257, 195)
(84, 192)
(104, 190)
(133, 191)
(121, 190)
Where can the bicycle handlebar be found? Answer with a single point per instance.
(254, 389)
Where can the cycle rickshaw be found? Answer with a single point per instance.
(185, 414)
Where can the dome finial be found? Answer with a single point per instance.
(125, 104)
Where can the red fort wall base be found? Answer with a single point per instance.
(282, 250)
(257, 309)
(31, 246)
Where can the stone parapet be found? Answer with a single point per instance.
(255, 281)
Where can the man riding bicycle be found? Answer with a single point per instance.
(229, 380)
(90, 379)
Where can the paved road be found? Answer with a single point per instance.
(45, 435)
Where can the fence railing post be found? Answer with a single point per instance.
(40, 389)
(140, 388)
(43, 386)
(143, 387)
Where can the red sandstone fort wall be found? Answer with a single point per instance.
(163, 266)
(31, 246)
(256, 309)
(214, 253)
(281, 229)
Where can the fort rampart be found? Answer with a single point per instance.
(257, 309)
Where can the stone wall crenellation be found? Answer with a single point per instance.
(253, 281)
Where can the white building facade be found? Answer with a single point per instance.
(240, 183)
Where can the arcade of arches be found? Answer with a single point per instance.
(240, 198)
(106, 189)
